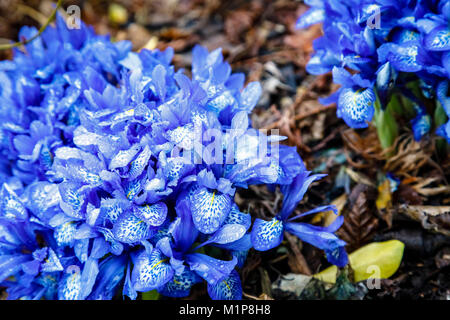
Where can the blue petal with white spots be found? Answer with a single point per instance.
(154, 214)
(52, 263)
(209, 209)
(438, 39)
(238, 217)
(138, 165)
(266, 235)
(130, 229)
(10, 205)
(151, 271)
(71, 200)
(69, 287)
(180, 285)
(356, 106)
(228, 288)
(65, 234)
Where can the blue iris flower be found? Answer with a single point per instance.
(118, 173)
(266, 235)
(382, 43)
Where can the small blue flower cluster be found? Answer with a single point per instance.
(106, 190)
(390, 47)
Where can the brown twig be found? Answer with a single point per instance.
(41, 30)
(304, 115)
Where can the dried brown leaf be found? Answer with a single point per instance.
(359, 224)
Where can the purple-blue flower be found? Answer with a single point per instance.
(389, 47)
(126, 171)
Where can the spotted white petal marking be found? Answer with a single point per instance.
(356, 107)
(267, 234)
(130, 229)
(183, 137)
(123, 157)
(138, 165)
(10, 205)
(154, 214)
(151, 271)
(229, 288)
(438, 39)
(65, 234)
(69, 287)
(209, 209)
(180, 285)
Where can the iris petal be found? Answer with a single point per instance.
(69, 287)
(154, 214)
(209, 209)
(52, 263)
(356, 107)
(71, 199)
(151, 271)
(130, 229)
(266, 235)
(138, 165)
(310, 17)
(65, 234)
(10, 205)
(438, 39)
(180, 285)
(210, 269)
(237, 217)
(229, 288)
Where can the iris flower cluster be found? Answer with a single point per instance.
(118, 173)
(380, 49)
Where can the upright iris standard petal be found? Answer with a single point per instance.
(356, 106)
(111, 274)
(151, 271)
(294, 192)
(228, 288)
(266, 235)
(209, 209)
(421, 125)
(310, 17)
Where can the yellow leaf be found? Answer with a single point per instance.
(386, 256)
(384, 195)
(328, 216)
(151, 44)
(377, 260)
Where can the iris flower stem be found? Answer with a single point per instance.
(41, 30)
(440, 117)
(387, 128)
